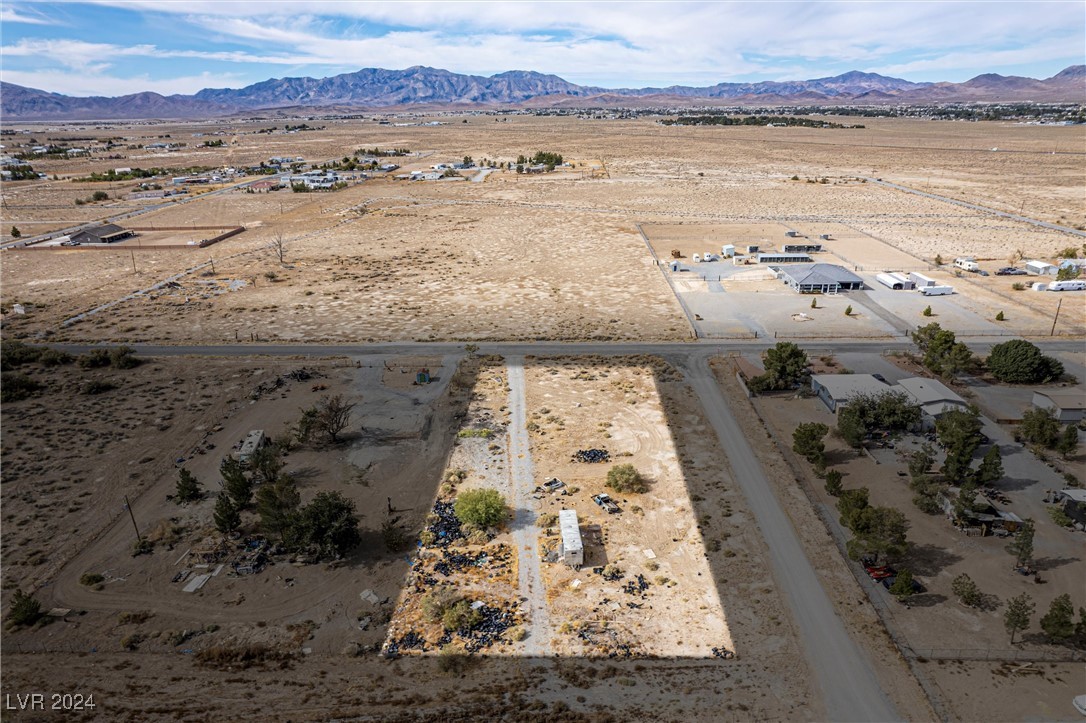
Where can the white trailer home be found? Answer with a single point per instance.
(1070, 285)
(967, 264)
(572, 550)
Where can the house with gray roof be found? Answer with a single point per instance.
(819, 278)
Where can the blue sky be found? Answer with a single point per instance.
(113, 47)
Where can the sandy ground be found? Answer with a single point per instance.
(553, 256)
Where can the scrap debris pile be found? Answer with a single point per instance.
(608, 574)
(723, 653)
(410, 641)
(446, 528)
(459, 561)
(487, 629)
(298, 375)
(592, 456)
(607, 640)
(636, 586)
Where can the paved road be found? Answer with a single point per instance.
(525, 532)
(815, 347)
(841, 668)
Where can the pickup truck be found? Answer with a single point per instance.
(606, 503)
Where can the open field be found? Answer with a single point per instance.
(553, 255)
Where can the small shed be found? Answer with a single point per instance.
(572, 550)
(1041, 268)
(1069, 405)
(727, 250)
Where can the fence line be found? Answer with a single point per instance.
(1000, 654)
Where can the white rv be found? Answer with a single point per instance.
(1070, 285)
(966, 264)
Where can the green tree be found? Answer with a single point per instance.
(850, 503)
(330, 525)
(1020, 362)
(483, 507)
(927, 310)
(1000, 317)
(1022, 544)
(959, 432)
(903, 585)
(1019, 611)
(991, 467)
(235, 482)
(226, 515)
(848, 310)
(921, 461)
(1067, 443)
(277, 504)
(851, 427)
(879, 530)
(25, 609)
(785, 365)
(966, 590)
(1068, 273)
(943, 354)
(15, 232)
(1059, 622)
(188, 487)
(807, 441)
(626, 478)
(266, 462)
(833, 483)
(1039, 426)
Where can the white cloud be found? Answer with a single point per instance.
(11, 15)
(58, 81)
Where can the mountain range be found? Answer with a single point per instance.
(377, 88)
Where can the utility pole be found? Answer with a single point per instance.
(133, 253)
(212, 264)
(1057, 316)
(136, 527)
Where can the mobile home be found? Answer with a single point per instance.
(966, 264)
(1071, 285)
(572, 550)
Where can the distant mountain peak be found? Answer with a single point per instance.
(423, 85)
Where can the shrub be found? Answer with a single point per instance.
(1020, 362)
(625, 478)
(131, 642)
(94, 359)
(547, 519)
(98, 386)
(482, 507)
(90, 579)
(1059, 517)
(15, 386)
(123, 357)
(99, 196)
(1000, 317)
(461, 616)
(966, 590)
(437, 602)
(24, 610)
(848, 310)
(927, 310)
(833, 483)
(396, 538)
(1018, 286)
(55, 358)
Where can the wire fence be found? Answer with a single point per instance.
(1009, 655)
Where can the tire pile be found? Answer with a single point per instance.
(409, 641)
(447, 527)
(723, 653)
(592, 456)
(494, 624)
(636, 586)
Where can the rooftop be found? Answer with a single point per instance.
(820, 274)
(846, 386)
(1065, 398)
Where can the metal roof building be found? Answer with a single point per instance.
(816, 278)
(934, 397)
(835, 390)
(1069, 405)
(105, 234)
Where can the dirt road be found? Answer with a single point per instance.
(842, 668)
(525, 532)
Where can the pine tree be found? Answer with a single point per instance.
(991, 467)
(1059, 622)
(1022, 544)
(235, 483)
(903, 585)
(966, 590)
(1019, 611)
(1067, 444)
(188, 488)
(227, 517)
(277, 504)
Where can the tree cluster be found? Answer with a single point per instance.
(1020, 362)
(943, 354)
(865, 413)
(329, 417)
(1040, 427)
(786, 366)
(875, 530)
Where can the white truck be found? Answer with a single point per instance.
(936, 290)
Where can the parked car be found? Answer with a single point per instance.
(1005, 271)
(982, 272)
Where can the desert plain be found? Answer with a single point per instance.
(544, 309)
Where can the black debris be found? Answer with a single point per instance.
(592, 455)
(637, 586)
(609, 576)
(410, 641)
(723, 653)
(495, 622)
(446, 528)
(455, 561)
